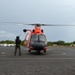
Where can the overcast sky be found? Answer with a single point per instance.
(43, 11)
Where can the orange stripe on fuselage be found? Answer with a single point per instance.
(37, 30)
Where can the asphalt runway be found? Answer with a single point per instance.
(57, 61)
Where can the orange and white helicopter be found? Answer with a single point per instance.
(36, 38)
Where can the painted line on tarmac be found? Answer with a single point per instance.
(41, 58)
(58, 53)
(63, 53)
(3, 53)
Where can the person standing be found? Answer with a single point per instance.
(17, 46)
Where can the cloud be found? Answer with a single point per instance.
(5, 34)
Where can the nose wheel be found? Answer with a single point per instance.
(38, 52)
(44, 51)
(29, 51)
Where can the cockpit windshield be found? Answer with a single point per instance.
(40, 37)
(34, 37)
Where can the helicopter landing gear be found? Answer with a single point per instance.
(29, 51)
(44, 51)
(38, 52)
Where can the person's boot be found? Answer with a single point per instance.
(20, 54)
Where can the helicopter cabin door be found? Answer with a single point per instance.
(26, 40)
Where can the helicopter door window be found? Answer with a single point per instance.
(42, 37)
(26, 39)
(34, 37)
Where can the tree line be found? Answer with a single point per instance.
(60, 42)
(9, 42)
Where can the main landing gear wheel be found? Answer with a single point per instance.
(29, 51)
(38, 52)
(44, 51)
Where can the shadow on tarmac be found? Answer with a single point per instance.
(36, 53)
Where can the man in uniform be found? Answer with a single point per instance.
(17, 42)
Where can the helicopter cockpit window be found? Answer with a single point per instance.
(34, 37)
(42, 37)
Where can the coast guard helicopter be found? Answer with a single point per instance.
(36, 39)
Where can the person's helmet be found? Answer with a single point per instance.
(17, 37)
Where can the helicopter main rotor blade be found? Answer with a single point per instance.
(34, 24)
(51, 25)
(56, 25)
(12, 23)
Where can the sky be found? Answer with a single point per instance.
(42, 11)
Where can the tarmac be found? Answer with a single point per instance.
(57, 61)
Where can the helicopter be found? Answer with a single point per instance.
(36, 38)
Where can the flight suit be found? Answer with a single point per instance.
(17, 46)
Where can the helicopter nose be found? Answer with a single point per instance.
(38, 46)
